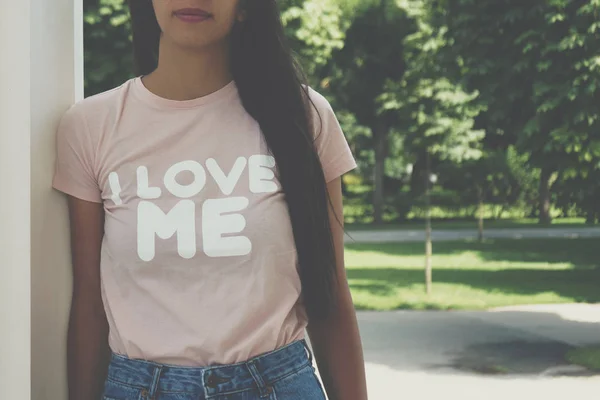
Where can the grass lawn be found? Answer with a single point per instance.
(471, 224)
(472, 275)
(588, 357)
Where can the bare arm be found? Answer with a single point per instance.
(336, 342)
(87, 341)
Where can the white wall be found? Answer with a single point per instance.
(41, 74)
(14, 199)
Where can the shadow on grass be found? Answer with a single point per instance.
(380, 289)
(581, 285)
(581, 253)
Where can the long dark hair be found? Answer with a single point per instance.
(273, 91)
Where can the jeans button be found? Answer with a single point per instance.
(211, 381)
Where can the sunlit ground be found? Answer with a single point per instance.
(471, 275)
(386, 383)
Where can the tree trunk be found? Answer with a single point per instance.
(592, 212)
(380, 153)
(428, 244)
(590, 217)
(544, 205)
(499, 211)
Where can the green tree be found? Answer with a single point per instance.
(437, 114)
(501, 179)
(108, 57)
(577, 192)
(566, 92)
(535, 67)
(315, 30)
(373, 55)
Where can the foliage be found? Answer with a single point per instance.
(315, 31)
(108, 56)
(502, 95)
(357, 77)
(566, 90)
(535, 65)
(578, 194)
(500, 178)
(438, 114)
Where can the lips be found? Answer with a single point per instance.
(192, 14)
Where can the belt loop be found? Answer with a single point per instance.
(310, 354)
(263, 390)
(155, 380)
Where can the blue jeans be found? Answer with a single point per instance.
(284, 374)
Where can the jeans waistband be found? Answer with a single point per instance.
(258, 372)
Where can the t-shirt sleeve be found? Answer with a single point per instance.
(331, 144)
(74, 169)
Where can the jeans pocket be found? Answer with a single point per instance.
(119, 391)
(301, 385)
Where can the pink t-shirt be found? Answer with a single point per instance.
(198, 260)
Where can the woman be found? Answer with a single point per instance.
(205, 206)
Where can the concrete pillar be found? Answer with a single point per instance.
(41, 74)
(14, 199)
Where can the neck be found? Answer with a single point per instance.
(185, 75)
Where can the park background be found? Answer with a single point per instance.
(476, 120)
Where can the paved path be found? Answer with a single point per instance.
(511, 353)
(387, 236)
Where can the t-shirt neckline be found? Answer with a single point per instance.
(157, 101)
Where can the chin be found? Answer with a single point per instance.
(198, 43)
